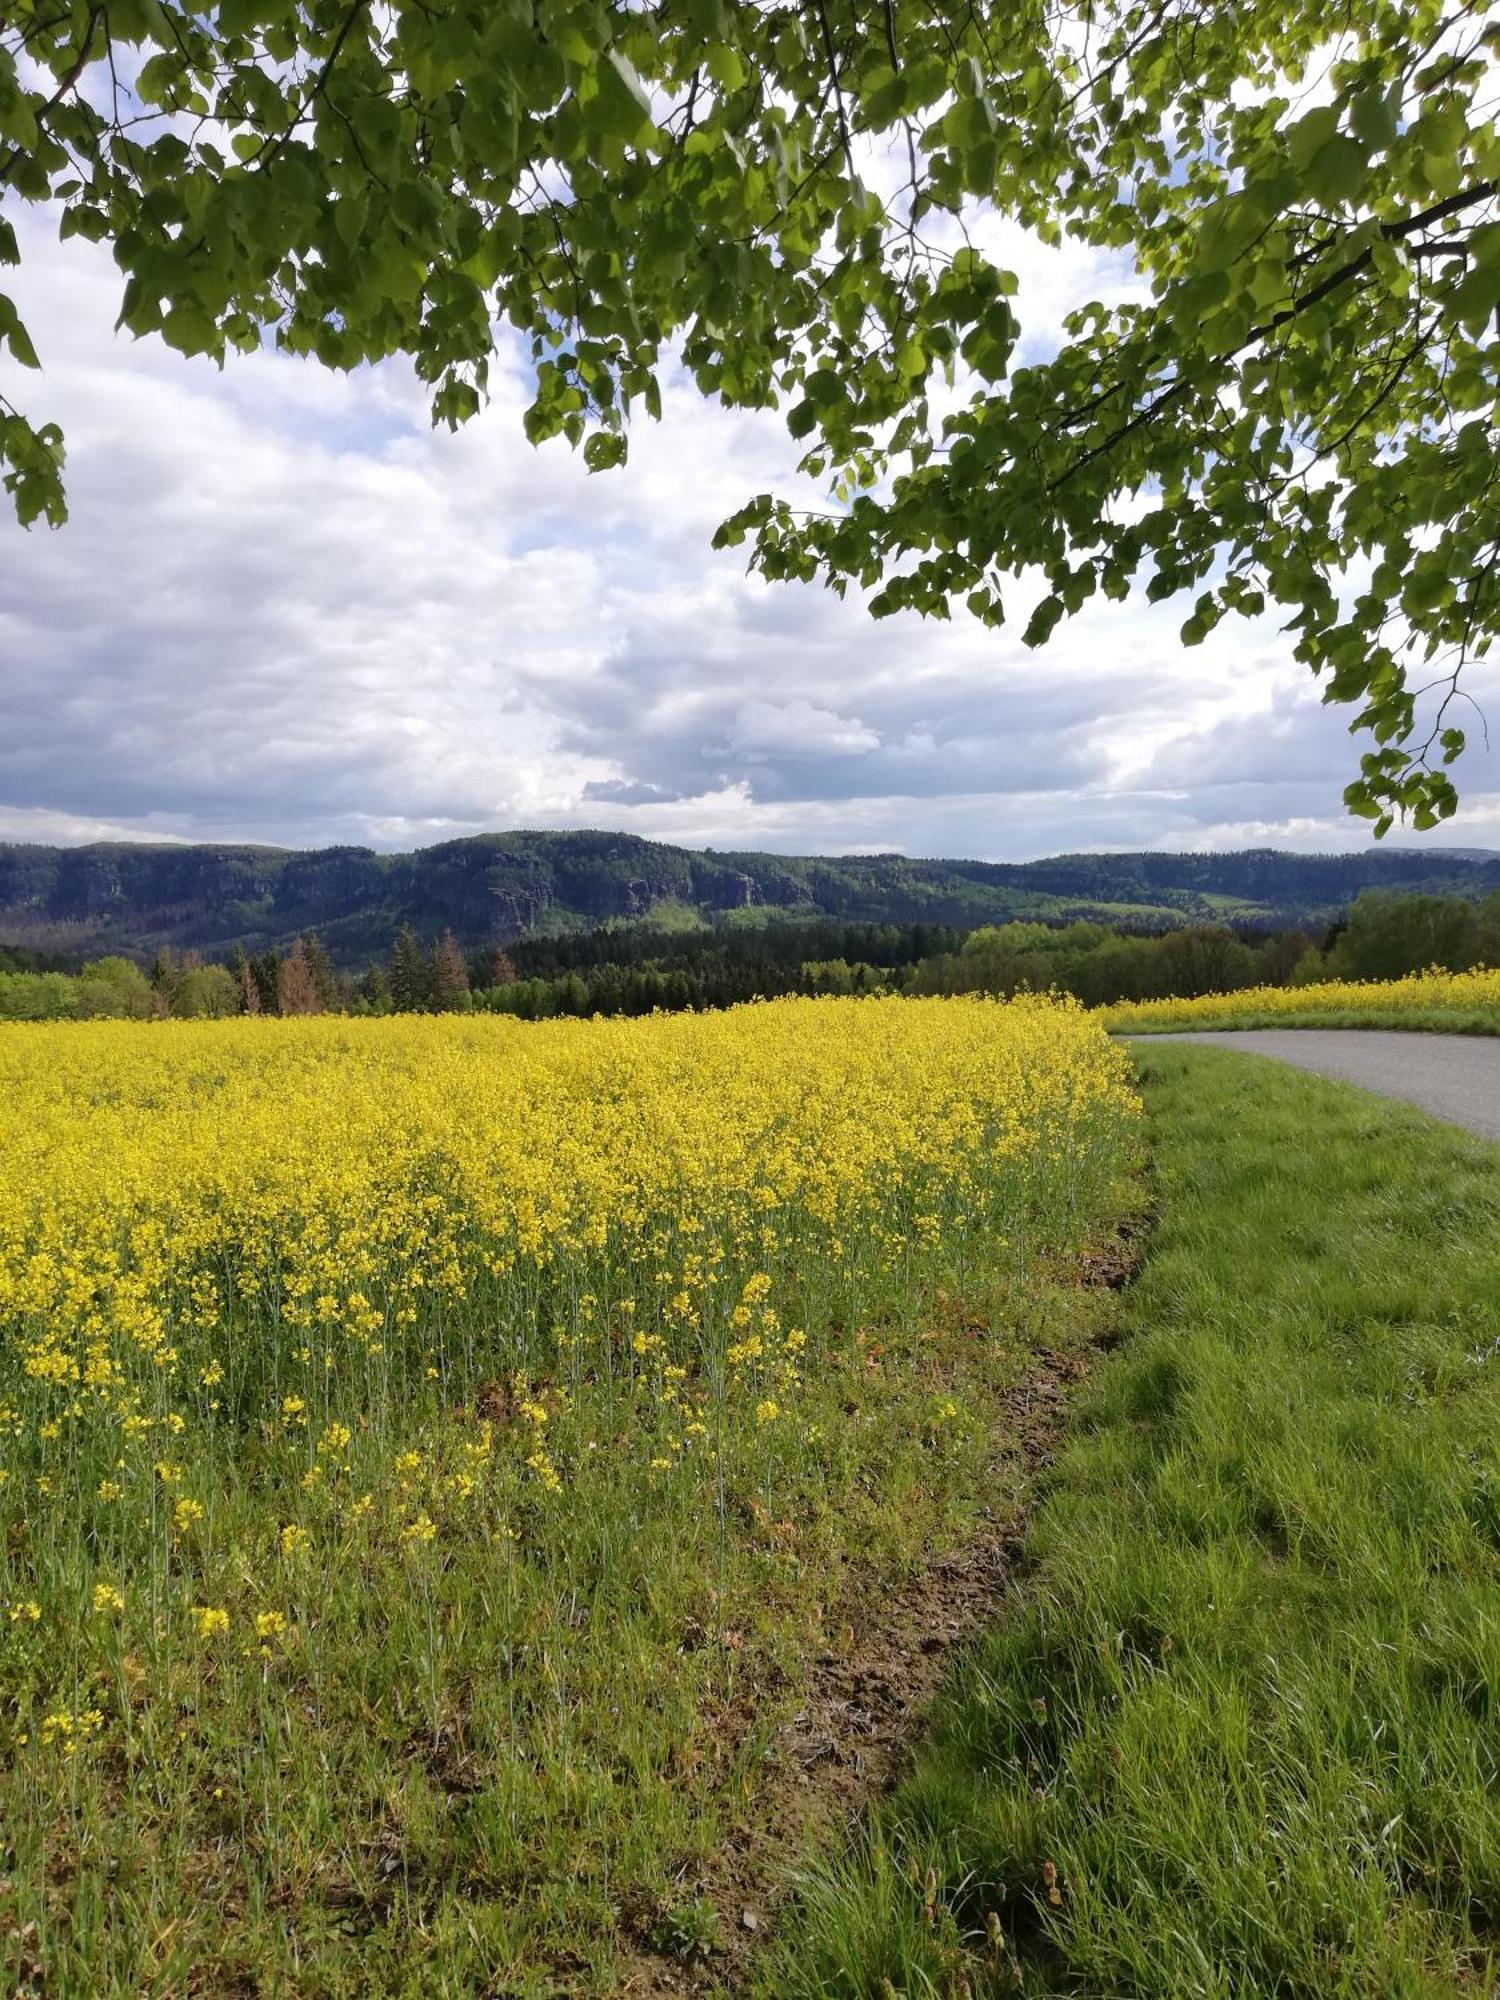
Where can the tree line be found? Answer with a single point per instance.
(1385, 936)
(640, 971)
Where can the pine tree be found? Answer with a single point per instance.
(163, 977)
(374, 989)
(320, 968)
(492, 966)
(243, 975)
(450, 975)
(411, 973)
(266, 972)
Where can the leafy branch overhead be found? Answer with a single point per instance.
(1294, 406)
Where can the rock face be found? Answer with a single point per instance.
(495, 888)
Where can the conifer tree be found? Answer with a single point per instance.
(374, 988)
(163, 977)
(493, 967)
(411, 973)
(450, 975)
(320, 970)
(266, 972)
(243, 975)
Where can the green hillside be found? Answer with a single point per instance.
(496, 888)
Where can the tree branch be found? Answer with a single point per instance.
(75, 69)
(273, 144)
(890, 36)
(833, 76)
(1391, 232)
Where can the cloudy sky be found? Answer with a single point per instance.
(286, 610)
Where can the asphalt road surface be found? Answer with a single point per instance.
(1456, 1077)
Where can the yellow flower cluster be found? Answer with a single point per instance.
(1434, 992)
(285, 1299)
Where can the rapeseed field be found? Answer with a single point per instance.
(1468, 1001)
(430, 1449)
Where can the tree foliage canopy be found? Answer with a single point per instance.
(1294, 405)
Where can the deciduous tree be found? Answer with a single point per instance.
(1291, 408)
(116, 988)
(208, 991)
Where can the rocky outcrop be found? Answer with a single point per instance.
(495, 888)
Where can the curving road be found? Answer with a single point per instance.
(1456, 1077)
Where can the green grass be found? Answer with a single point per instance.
(1427, 1021)
(500, 1773)
(497, 1780)
(1243, 1738)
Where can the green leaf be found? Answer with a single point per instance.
(14, 335)
(17, 117)
(725, 65)
(1310, 135)
(1427, 588)
(1478, 294)
(618, 106)
(1042, 622)
(1336, 173)
(604, 450)
(1374, 117)
(911, 361)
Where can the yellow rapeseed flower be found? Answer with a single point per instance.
(1430, 992)
(456, 1219)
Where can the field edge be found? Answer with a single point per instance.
(1217, 1639)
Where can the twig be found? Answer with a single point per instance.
(838, 96)
(18, 152)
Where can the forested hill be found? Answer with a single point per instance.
(495, 888)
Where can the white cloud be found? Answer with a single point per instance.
(800, 729)
(286, 610)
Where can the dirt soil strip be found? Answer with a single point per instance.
(861, 1713)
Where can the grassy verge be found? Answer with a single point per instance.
(1434, 1021)
(1244, 1739)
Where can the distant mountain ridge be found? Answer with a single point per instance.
(494, 888)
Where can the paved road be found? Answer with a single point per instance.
(1453, 1076)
